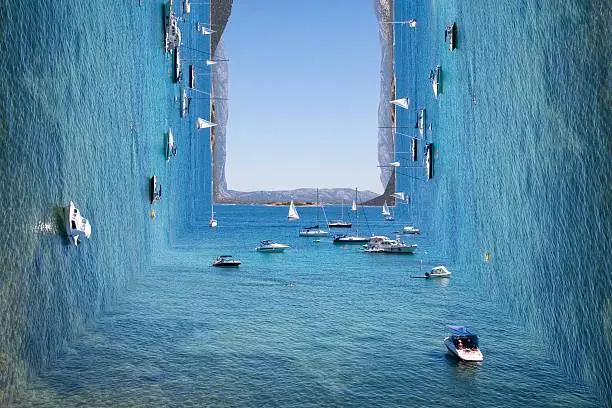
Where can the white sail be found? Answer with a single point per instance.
(385, 209)
(205, 30)
(203, 123)
(293, 214)
(354, 207)
(400, 196)
(402, 102)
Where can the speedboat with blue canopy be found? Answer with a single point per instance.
(463, 344)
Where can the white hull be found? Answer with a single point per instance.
(473, 355)
(77, 227)
(270, 246)
(314, 233)
(411, 230)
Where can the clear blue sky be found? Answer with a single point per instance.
(304, 87)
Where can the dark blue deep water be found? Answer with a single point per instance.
(136, 316)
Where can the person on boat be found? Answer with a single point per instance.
(459, 345)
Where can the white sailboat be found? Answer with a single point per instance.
(401, 102)
(170, 147)
(293, 214)
(204, 124)
(354, 206)
(386, 212)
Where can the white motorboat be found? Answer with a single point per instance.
(410, 229)
(463, 344)
(171, 29)
(76, 226)
(155, 190)
(385, 245)
(270, 246)
(438, 272)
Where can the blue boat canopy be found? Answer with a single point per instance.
(460, 330)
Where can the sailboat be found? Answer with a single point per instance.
(436, 78)
(340, 223)
(315, 230)
(293, 214)
(171, 147)
(352, 239)
(387, 213)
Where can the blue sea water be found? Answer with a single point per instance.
(137, 316)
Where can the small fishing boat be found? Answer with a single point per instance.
(177, 65)
(156, 190)
(226, 261)
(450, 35)
(438, 272)
(76, 226)
(463, 344)
(270, 246)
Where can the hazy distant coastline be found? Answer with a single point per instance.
(301, 196)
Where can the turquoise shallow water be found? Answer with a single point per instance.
(136, 316)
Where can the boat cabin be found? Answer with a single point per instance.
(469, 341)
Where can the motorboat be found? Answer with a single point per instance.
(156, 190)
(270, 246)
(350, 239)
(439, 271)
(385, 245)
(463, 344)
(314, 231)
(436, 78)
(410, 229)
(170, 147)
(171, 29)
(450, 35)
(226, 261)
(76, 226)
(429, 160)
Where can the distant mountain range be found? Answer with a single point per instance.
(300, 196)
